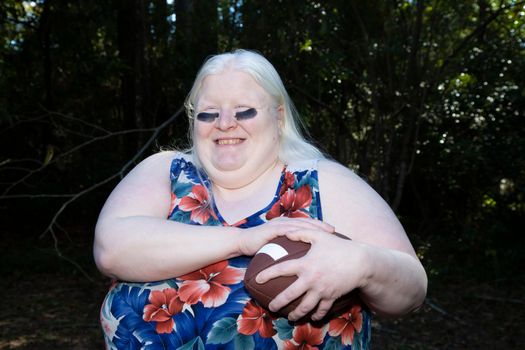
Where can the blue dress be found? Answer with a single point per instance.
(210, 308)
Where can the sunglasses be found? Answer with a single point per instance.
(242, 115)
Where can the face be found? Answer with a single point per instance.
(236, 130)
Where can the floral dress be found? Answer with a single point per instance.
(210, 308)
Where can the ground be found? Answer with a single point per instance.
(48, 304)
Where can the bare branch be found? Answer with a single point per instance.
(503, 300)
(23, 121)
(65, 116)
(73, 150)
(120, 173)
(73, 197)
(34, 196)
(314, 99)
(433, 305)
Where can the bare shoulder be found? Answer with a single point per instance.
(340, 182)
(152, 173)
(357, 210)
(155, 162)
(336, 171)
(145, 189)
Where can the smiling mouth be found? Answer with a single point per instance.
(228, 141)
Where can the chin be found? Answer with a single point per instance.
(228, 164)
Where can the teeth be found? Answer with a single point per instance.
(228, 141)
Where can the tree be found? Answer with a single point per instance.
(422, 98)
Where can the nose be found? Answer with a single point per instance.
(226, 119)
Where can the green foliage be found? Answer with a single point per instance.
(423, 98)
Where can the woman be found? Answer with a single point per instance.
(249, 177)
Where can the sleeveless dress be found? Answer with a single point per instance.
(210, 308)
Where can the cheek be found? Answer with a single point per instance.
(200, 132)
(199, 139)
(270, 134)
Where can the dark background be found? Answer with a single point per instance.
(424, 99)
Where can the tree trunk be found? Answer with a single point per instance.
(195, 35)
(131, 25)
(47, 66)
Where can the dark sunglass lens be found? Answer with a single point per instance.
(207, 117)
(247, 114)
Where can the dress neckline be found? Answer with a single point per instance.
(256, 213)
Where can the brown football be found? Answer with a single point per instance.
(278, 250)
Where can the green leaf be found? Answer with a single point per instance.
(284, 329)
(181, 189)
(333, 344)
(172, 282)
(189, 345)
(181, 216)
(244, 342)
(356, 343)
(50, 151)
(223, 331)
(200, 344)
(306, 46)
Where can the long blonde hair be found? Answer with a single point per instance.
(293, 145)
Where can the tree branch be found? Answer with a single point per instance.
(476, 32)
(75, 196)
(74, 149)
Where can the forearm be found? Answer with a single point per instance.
(146, 249)
(395, 282)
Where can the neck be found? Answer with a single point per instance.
(236, 191)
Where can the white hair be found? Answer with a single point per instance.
(293, 145)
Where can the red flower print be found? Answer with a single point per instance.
(206, 285)
(254, 318)
(291, 202)
(305, 337)
(198, 204)
(289, 180)
(347, 324)
(164, 304)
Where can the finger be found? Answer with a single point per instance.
(306, 223)
(309, 236)
(322, 309)
(307, 304)
(317, 223)
(285, 268)
(306, 235)
(294, 291)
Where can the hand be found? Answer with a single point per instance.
(252, 239)
(331, 268)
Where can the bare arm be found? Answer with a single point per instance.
(379, 260)
(394, 281)
(135, 242)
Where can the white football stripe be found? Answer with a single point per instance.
(275, 251)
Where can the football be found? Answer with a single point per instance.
(278, 250)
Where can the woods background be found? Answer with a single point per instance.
(423, 98)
